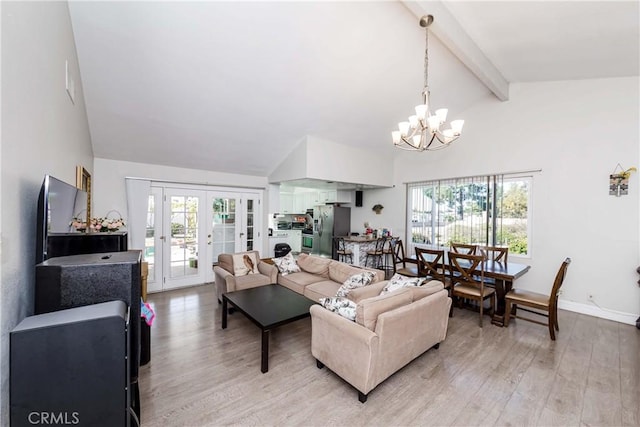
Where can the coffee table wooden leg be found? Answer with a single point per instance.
(264, 362)
(224, 313)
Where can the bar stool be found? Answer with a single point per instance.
(342, 251)
(376, 253)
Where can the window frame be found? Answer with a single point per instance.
(493, 180)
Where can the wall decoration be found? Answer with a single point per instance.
(377, 209)
(619, 181)
(83, 182)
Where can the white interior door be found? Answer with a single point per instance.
(234, 224)
(184, 237)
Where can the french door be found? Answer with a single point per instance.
(187, 228)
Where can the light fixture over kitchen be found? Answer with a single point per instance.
(422, 131)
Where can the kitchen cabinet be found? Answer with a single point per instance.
(334, 196)
(300, 202)
(286, 203)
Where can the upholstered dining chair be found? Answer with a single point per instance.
(403, 265)
(463, 248)
(342, 251)
(494, 253)
(543, 305)
(467, 277)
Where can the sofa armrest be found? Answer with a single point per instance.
(225, 281)
(369, 291)
(398, 329)
(268, 270)
(348, 349)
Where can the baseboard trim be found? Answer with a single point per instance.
(594, 310)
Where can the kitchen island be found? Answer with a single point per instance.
(359, 245)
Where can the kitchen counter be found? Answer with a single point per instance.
(359, 245)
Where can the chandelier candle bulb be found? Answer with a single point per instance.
(396, 136)
(421, 111)
(456, 126)
(404, 128)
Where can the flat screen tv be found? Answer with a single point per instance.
(58, 203)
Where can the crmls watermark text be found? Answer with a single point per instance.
(54, 418)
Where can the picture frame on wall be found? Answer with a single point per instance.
(83, 182)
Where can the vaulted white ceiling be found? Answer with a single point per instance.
(234, 86)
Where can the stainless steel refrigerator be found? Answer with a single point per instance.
(329, 221)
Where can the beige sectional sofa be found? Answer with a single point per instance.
(321, 277)
(389, 332)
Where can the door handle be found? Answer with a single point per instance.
(241, 234)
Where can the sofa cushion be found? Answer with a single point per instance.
(245, 264)
(322, 289)
(426, 289)
(342, 306)
(286, 264)
(399, 281)
(340, 271)
(298, 281)
(314, 265)
(225, 261)
(368, 310)
(358, 280)
(251, 281)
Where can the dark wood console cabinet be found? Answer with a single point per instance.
(64, 244)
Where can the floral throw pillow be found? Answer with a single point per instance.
(342, 306)
(399, 281)
(286, 264)
(356, 281)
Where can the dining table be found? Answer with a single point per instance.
(503, 274)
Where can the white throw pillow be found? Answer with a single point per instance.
(356, 281)
(286, 264)
(399, 281)
(342, 306)
(245, 264)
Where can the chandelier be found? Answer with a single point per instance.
(422, 131)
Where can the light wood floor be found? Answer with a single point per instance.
(200, 375)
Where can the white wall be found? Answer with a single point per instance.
(109, 183)
(576, 132)
(42, 133)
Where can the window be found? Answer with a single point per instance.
(486, 210)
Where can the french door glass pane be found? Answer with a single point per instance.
(184, 236)
(149, 241)
(224, 226)
(250, 226)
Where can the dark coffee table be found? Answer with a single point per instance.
(268, 307)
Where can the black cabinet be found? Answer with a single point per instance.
(70, 367)
(63, 244)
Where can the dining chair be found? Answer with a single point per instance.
(410, 270)
(543, 305)
(494, 253)
(463, 248)
(431, 264)
(468, 280)
(341, 250)
(376, 254)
